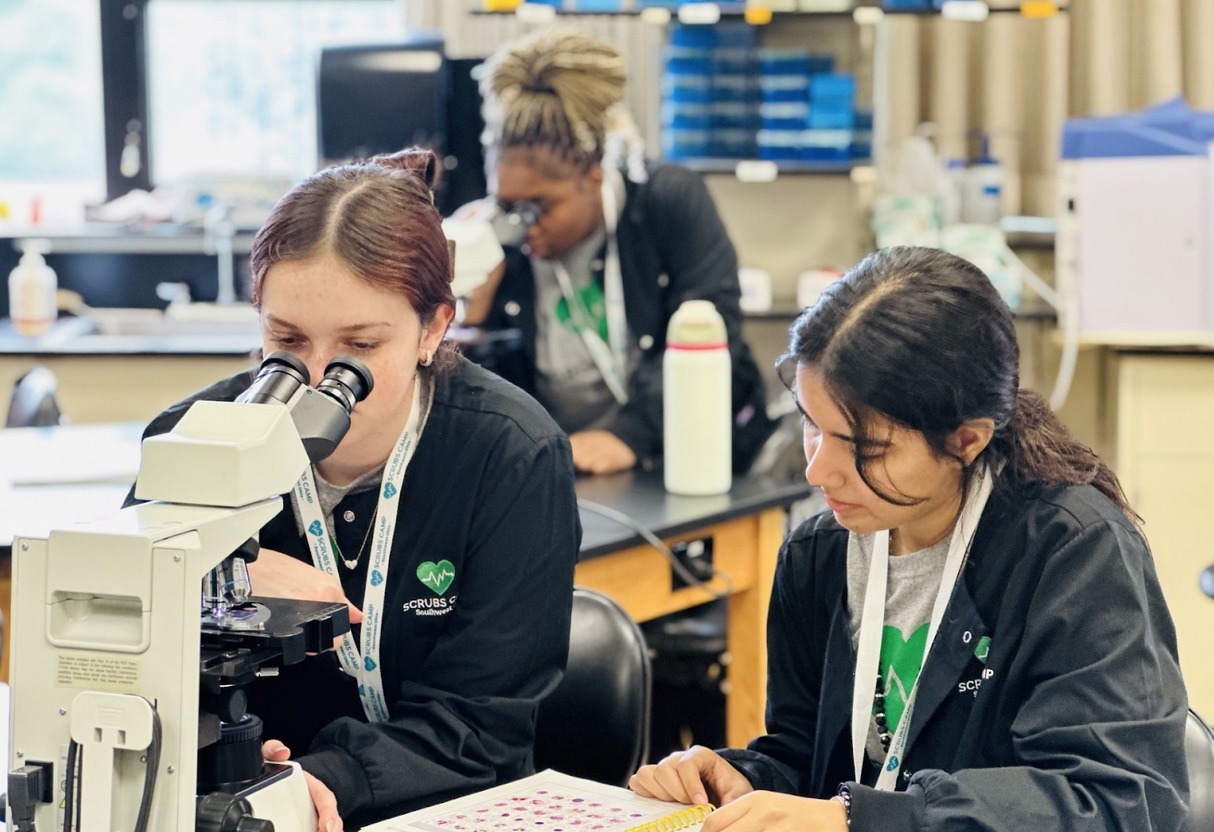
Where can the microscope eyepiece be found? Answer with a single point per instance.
(511, 221)
(322, 420)
(347, 380)
(282, 373)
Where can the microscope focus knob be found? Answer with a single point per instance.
(235, 762)
(222, 812)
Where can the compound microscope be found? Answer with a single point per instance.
(128, 695)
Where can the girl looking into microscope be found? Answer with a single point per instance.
(612, 249)
(477, 511)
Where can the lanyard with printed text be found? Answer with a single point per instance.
(872, 625)
(364, 665)
(609, 357)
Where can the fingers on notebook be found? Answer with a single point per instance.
(687, 776)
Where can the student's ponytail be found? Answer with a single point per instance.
(1037, 447)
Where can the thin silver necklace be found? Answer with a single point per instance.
(353, 563)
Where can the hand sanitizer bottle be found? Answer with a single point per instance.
(31, 291)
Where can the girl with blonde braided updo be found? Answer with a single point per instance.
(614, 248)
(553, 92)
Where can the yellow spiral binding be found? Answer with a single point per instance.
(683, 819)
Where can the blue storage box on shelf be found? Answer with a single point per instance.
(832, 87)
(733, 60)
(830, 118)
(826, 145)
(734, 87)
(777, 88)
(734, 34)
(784, 61)
(598, 5)
(733, 115)
(732, 144)
(687, 60)
(910, 5)
(663, 4)
(783, 115)
(686, 116)
(696, 37)
(779, 145)
(688, 89)
(832, 99)
(784, 75)
(678, 144)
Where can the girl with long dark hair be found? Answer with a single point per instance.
(973, 635)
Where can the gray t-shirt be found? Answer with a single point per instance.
(568, 382)
(329, 495)
(914, 580)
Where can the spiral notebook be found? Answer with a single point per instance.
(550, 802)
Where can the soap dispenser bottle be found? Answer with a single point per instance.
(32, 287)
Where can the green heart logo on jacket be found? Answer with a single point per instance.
(437, 576)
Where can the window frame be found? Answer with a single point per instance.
(124, 87)
(125, 91)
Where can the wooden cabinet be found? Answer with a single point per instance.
(121, 388)
(1164, 407)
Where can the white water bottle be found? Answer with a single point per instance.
(697, 402)
(32, 287)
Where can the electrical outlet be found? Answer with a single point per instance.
(696, 557)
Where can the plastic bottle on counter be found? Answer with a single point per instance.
(952, 191)
(31, 291)
(983, 201)
(697, 402)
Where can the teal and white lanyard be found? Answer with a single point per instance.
(609, 357)
(872, 625)
(364, 665)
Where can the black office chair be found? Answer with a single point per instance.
(33, 404)
(1199, 753)
(596, 723)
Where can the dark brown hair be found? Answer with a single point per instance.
(923, 338)
(377, 217)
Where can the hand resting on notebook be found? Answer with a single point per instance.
(700, 775)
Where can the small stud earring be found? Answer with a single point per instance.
(426, 359)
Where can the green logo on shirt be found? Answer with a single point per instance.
(437, 576)
(590, 299)
(901, 661)
(983, 648)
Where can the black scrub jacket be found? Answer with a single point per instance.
(488, 495)
(1075, 720)
(673, 247)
